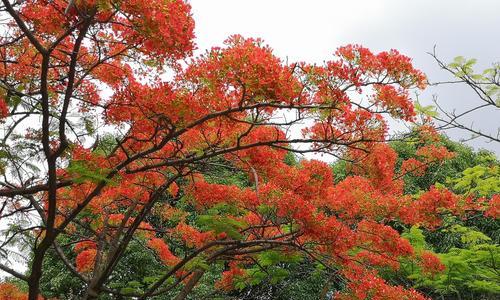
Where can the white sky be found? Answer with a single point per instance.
(311, 31)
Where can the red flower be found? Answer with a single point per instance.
(85, 260)
(4, 109)
(430, 263)
(493, 209)
(163, 251)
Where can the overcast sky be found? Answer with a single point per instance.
(311, 31)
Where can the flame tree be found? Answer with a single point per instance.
(108, 120)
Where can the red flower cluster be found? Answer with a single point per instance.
(230, 276)
(4, 110)
(430, 263)
(163, 251)
(85, 260)
(427, 208)
(9, 291)
(192, 236)
(365, 284)
(493, 209)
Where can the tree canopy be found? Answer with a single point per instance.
(132, 168)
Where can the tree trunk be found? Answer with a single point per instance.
(36, 268)
(190, 285)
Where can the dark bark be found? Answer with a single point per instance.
(190, 285)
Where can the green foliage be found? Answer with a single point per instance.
(223, 172)
(470, 269)
(416, 238)
(428, 110)
(465, 158)
(81, 172)
(468, 236)
(57, 281)
(272, 267)
(482, 180)
(468, 248)
(340, 170)
(135, 271)
(221, 224)
(197, 263)
(271, 258)
(298, 280)
(464, 69)
(223, 209)
(291, 159)
(105, 144)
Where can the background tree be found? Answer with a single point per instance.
(467, 273)
(486, 86)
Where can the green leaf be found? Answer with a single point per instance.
(429, 110)
(197, 263)
(150, 279)
(83, 173)
(128, 290)
(220, 224)
(277, 275)
(89, 126)
(14, 100)
(416, 237)
(134, 284)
